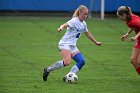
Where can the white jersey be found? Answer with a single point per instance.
(74, 31)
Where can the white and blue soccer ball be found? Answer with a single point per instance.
(71, 78)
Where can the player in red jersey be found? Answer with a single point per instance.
(133, 22)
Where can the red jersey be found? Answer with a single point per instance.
(134, 22)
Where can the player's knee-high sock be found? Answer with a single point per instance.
(80, 63)
(56, 65)
(74, 69)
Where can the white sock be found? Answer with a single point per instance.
(74, 69)
(55, 66)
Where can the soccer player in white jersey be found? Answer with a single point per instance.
(67, 45)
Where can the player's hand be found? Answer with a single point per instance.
(132, 39)
(98, 43)
(59, 29)
(124, 37)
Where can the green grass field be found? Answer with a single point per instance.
(27, 45)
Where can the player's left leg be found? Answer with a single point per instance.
(77, 56)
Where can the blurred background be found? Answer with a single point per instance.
(64, 7)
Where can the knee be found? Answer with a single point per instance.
(82, 62)
(133, 60)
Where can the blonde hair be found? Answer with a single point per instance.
(124, 10)
(78, 10)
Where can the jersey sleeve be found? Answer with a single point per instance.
(137, 24)
(71, 22)
(85, 27)
(134, 24)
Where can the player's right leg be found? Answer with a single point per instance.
(66, 56)
(134, 56)
(138, 64)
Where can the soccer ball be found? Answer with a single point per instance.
(71, 78)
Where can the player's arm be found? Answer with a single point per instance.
(135, 37)
(62, 27)
(136, 24)
(127, 34)
(90, 36)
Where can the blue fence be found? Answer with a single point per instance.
(65, 5)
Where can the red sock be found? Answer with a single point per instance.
(138, 70)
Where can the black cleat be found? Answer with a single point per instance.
(45, 74)
(64, 79)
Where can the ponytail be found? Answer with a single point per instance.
(128, 10)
